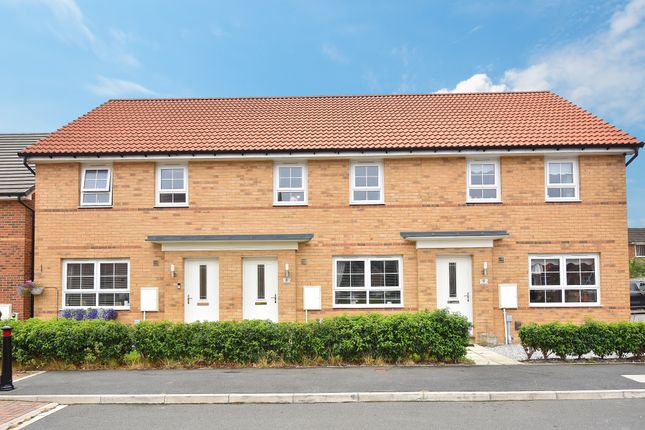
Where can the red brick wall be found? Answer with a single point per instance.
(15, 253)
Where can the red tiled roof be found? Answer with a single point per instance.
(379, 122)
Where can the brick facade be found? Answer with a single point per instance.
(15, 254)
(421, 194)
(632, 251)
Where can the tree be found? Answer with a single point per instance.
(637, 268)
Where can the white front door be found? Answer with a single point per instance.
(260, 289)
(201, 290)
(455, 284)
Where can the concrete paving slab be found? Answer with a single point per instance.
(485, 357)
(261, 398)
(415, 396)
(195, 399)
(325, 397)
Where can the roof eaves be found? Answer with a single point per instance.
(24, 193)
(580, 146)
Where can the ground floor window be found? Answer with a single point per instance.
(564, 280)
(368, 282)
(96, 283)
(640, 250)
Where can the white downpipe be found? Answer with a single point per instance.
(506, 342)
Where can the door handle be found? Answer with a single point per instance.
(275, 298)
(468, 297)
(188, 298)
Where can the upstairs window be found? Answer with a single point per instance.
(172, 186)
(483, 181)
(366, 180)
(561, 180)
(96, 186)
(290, 184)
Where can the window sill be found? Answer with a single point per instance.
(290, 205)
(116, 308)
(95, 207)
(565, 305)
(367, 203)
(170, 206)
(486, 202)
(381, 306)
(562, 200)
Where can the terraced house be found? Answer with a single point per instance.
(224, 209)
(17, 199)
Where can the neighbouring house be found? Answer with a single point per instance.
(16, 223)
(636, 241)
(245, 208)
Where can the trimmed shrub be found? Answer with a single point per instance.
(601, 338)
(36, 342)
(629, 338)
(421, 336)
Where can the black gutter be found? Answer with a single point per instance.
(509, 148)
(24, 161)
(633, 156)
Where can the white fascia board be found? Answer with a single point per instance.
(283, 156)
(455, 242)
(239, 245)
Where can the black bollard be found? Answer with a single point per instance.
(6, 381)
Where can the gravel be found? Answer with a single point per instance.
(516, 352)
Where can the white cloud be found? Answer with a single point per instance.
(111, 87)
(478, 83)
(333, 53)
(404, 53)
(69, 24)
(406, 84)
(72, 26)
(603, 72)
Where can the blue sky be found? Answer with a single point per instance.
(60, 58)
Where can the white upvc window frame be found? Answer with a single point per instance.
(640, 246)
(576, 179)
(303, 189)
(158, 191)
(108, 189)
(497, 185)
(368, 281)
(97, 283)
(563, 281)
(352, 181)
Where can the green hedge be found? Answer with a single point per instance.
(37, 342)
(566, 339)
(421, 336)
